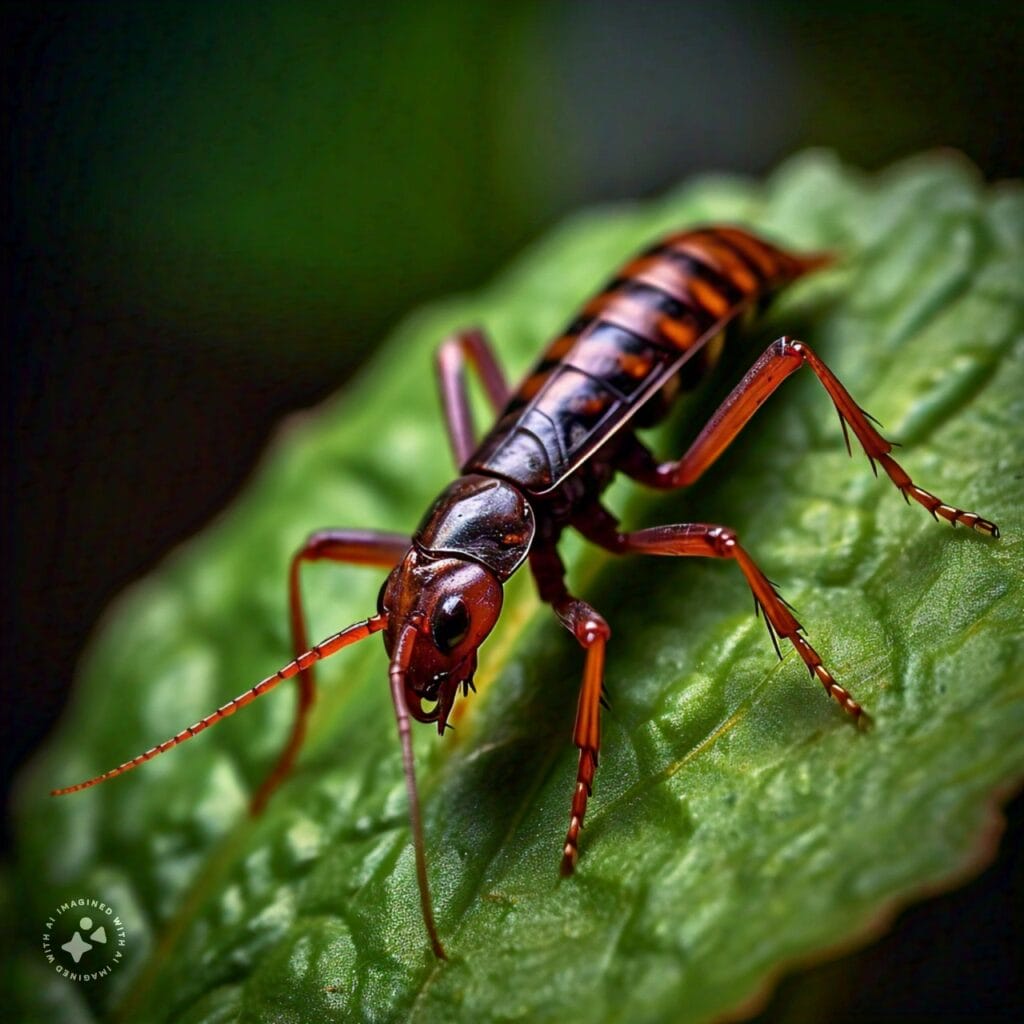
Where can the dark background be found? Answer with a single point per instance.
(214, 211)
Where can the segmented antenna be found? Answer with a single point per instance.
(333, 644)
(396, 673)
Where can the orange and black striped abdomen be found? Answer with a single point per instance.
(656, 315)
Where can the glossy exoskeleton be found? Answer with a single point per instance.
(657, 327)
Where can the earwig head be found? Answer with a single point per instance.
(445, 608)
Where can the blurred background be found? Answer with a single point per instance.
(213, 212)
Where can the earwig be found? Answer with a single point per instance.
(660, 324)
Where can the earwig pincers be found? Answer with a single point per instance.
(654, 331)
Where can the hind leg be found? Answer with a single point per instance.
(782, 358)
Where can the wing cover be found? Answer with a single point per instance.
(655, 316)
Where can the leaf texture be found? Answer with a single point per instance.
(739, 823)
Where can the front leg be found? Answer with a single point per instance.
(356, 547)
(592, 633)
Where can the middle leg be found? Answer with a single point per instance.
(706, 540)
(455, 352)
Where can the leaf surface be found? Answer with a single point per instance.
(738, 824)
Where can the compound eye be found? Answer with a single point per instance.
(450, 624)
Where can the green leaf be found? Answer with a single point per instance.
(738, 824)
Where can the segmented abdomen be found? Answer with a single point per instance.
(659, 312)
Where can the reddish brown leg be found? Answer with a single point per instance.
(452, 356)
(592, 633)
(707, 541)
(782, 358)
(357, 547)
